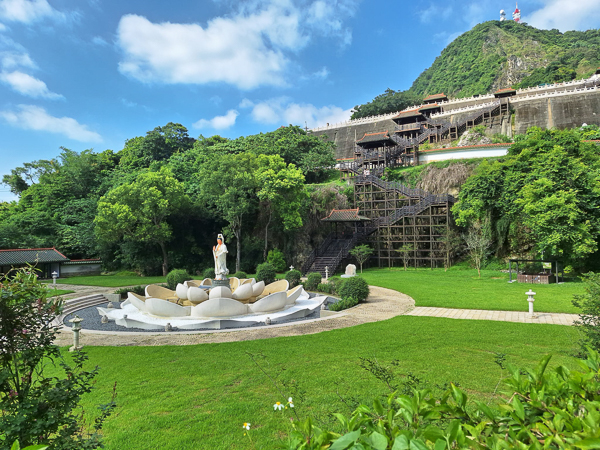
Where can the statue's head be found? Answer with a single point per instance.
(220, 238)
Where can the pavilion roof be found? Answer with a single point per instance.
(505, 91)
(344, 215)
(429, 106)
(370, 138)
(406, 114)
(31, 256)
(440, 96)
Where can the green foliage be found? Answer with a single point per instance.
(342, 304)
(540, 406)
(589, 315)
(177, 276)
(209, 273)
(336, 284)
(325, 288)
(139, 290)
(276, 259)
(293, 277)
(362, 253)
(37, 407)
(354, 288)
(477, 61)
(544, 194)
(312, 281)
(266, 272)
(241, 275)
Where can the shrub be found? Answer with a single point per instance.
(589, 304)
(293, 277)
(139, 290)
(241, 275)
(40, 408)
(342, 304)
(275, 257)
(324, 288)
(336, 284)
(312, 281)
(265, 272)
(209, 273)
(355, 288)
(176, 276)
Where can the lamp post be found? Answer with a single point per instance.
(54, 277)
(530, 299)
(76, 321)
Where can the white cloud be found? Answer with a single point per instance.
(250, 48)
(27, 85)
(12, 60)
(565, 15)
(97, 40)
(30, 117)
(219, 122)
(27, 11)
(282, 111)
(3, 27)
(246, 103)
(434, 12)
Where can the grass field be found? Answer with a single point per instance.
(198, 397)
(461, 288)
(56, 292)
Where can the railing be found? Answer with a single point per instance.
(409, 127)
(315, 253)
(392, 186)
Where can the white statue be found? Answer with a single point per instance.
(219, 253)
(350, 271)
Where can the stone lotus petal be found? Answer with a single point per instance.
(136, 301)
(247, 281)
(220, 292)
(164, 308)
(293, 295)
(243, 292)
(125, 303)
(154, 291)
(273, 302)
(192, 283)
(197, 295)
(277, 286)
(206, 282)
(258, 288)
(219, 307)
(234, 282)
(182, 291)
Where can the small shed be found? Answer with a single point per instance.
(46, 260)
(81, 267)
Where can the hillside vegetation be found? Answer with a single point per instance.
(495, 55)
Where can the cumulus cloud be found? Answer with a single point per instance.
(12, 60)
(282, 111)
(27, 11)
(566, 15)
(434, 12)
(252, 47)
(27, 85)
(30, 117)
(219, 122)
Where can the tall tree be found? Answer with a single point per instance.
(139, 211)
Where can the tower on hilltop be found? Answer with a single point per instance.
(502, 15)
(517, 14)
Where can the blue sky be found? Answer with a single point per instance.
(92, 73)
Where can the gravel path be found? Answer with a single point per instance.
(382, 304)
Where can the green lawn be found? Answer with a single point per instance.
(461, 288)
(113, 280)
(56, 292)
(198, 397)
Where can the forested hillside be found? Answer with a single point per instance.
(157, 203)
(496, 55)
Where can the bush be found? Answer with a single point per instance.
(139, 290)
(275, 257)
(209, 273)
(342, 304)
(589, 304)
(37, 408)
(177, 276)
(241, 275)
(324, 288)
(336, 284)
(312, 281)
(293, 277)
(265, 272)
(355, 288)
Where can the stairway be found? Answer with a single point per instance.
(70, 306)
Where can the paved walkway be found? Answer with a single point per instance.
(382, 304)
(504, 316)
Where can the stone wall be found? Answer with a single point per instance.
(567, 110)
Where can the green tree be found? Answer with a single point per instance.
(40, 407)
(362, 253)
(406, 251)
(139, 212)
(478, 243)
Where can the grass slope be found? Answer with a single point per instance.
(198, 397)
(459, 288)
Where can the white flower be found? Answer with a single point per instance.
(278, 406)
(290, 402)
(246, 426)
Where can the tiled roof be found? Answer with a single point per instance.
(430, 106)
(31, 256)
(369, 138)
(505, 91)
(435, 97)
(344, 215)
(76, 262)
(406, 114)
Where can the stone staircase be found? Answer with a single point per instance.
(73, 305)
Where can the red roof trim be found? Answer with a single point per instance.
(505, 90)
